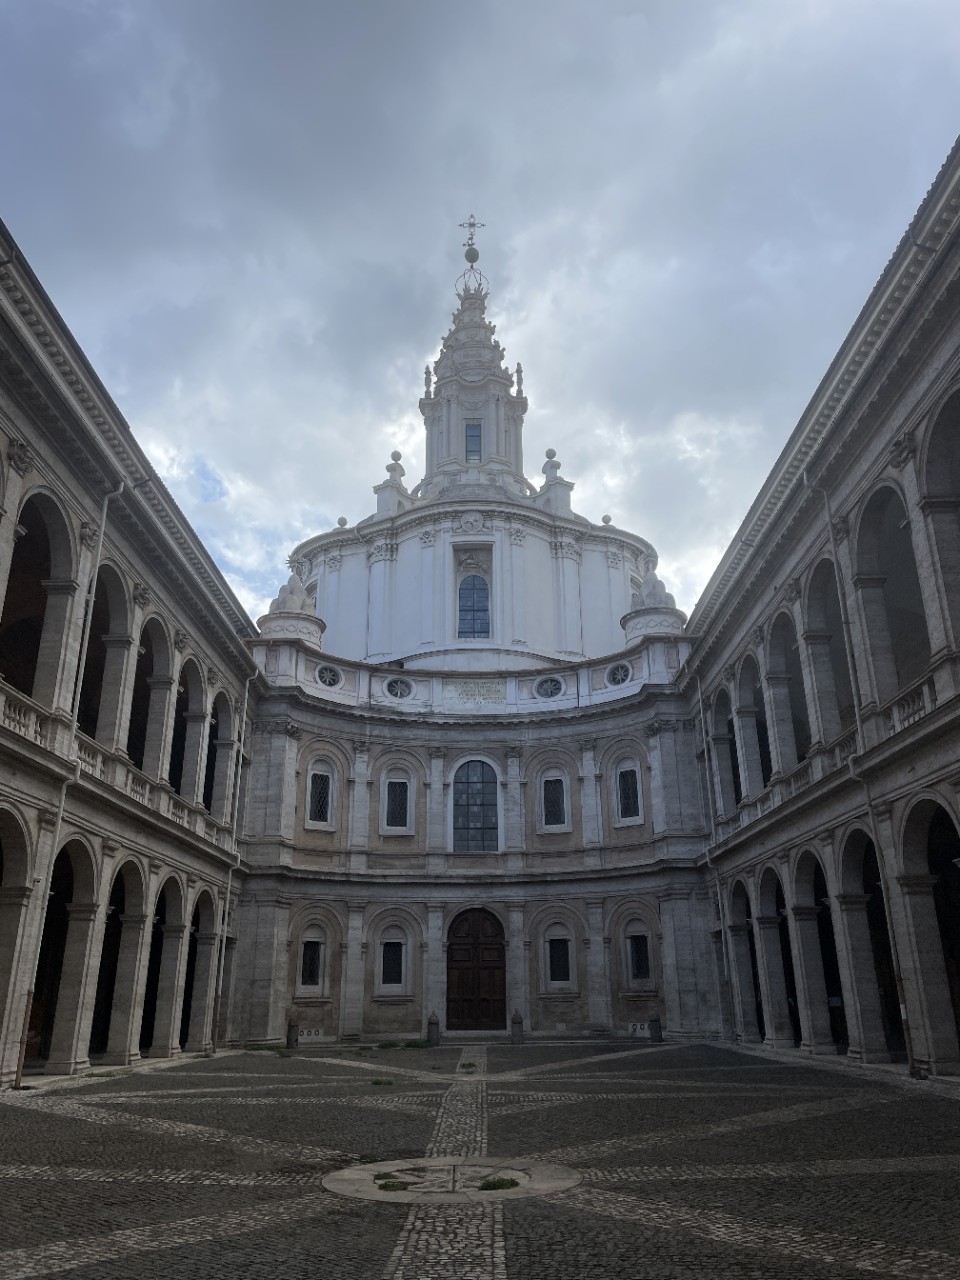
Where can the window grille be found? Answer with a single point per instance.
(320, 797)
(629, 793)
(639, 957)
(554, 808)
(310, 964)
(399, 688)
(549, 687)
(558, 950)
(329, 677)
(473, 600)
(619, 673)
(396, 804)
(391, 964)
(475, 821)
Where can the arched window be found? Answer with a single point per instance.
(396, 803)
(311, 974)
(553, 812)
(627, 794)
(473, 611)
(320, 813)
(392, 978)
(476, 827)
(559, 958)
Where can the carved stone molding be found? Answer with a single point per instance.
(841, 528)
(88, 534)
(382, 551)
(141, 594)
(19, 457)
(756, 635)
(333, 562)
(655, 727)
(727, 674)
(214, 676)
(902, 449)
(288, 727)
(614, 558)
(566, 549)
(438, 753)
(791, 590)
(474, 560)
(428, 537)
(514, 752)
(587, 744)
(517, 534)
(180, 640)
(471, 522)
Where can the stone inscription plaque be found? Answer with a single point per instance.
(461, 691)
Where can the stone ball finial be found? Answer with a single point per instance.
(472, 254)
(342, 522)
(606, 520)
(396, 455)
(551, 454)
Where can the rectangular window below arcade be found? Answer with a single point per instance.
(639, 958)
(397, 805)
(559, 956)
(391, 965)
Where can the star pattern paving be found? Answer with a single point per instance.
(690, 1161)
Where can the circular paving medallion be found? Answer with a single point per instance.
(451, 1179)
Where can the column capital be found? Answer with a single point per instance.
(767, 922)
(805, 913)
(917, 883)
(852, 901)
(82, 911)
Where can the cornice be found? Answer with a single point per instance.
(912, 262)
(57, 383)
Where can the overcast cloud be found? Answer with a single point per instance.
(247, 213)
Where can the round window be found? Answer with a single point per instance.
(329, 677)
(549, 687)
(399, 688)
(619, 673)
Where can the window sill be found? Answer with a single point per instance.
(302, 998)
(555, 994)
(628, 822)
(392, 999)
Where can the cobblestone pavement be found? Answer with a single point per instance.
(690, 1161)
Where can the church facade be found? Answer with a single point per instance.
(474, 765)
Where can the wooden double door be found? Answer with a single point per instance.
(476, 973)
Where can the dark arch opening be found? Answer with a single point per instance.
(152, 988)
(107, 977)
(831, 964)
(943, 849)
(53, 944)
(892, 599)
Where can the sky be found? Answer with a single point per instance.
(247, 213)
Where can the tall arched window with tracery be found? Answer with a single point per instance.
(473, 608)
(476, 825)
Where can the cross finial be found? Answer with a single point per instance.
(471, 226)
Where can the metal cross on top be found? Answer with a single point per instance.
(471, 226)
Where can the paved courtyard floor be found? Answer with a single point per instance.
(607, 1161)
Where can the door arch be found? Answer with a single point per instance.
(476, 973)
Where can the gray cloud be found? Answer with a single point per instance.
(247, 213)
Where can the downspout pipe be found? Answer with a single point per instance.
(224, 915)
(858, 777)
(74, 756)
